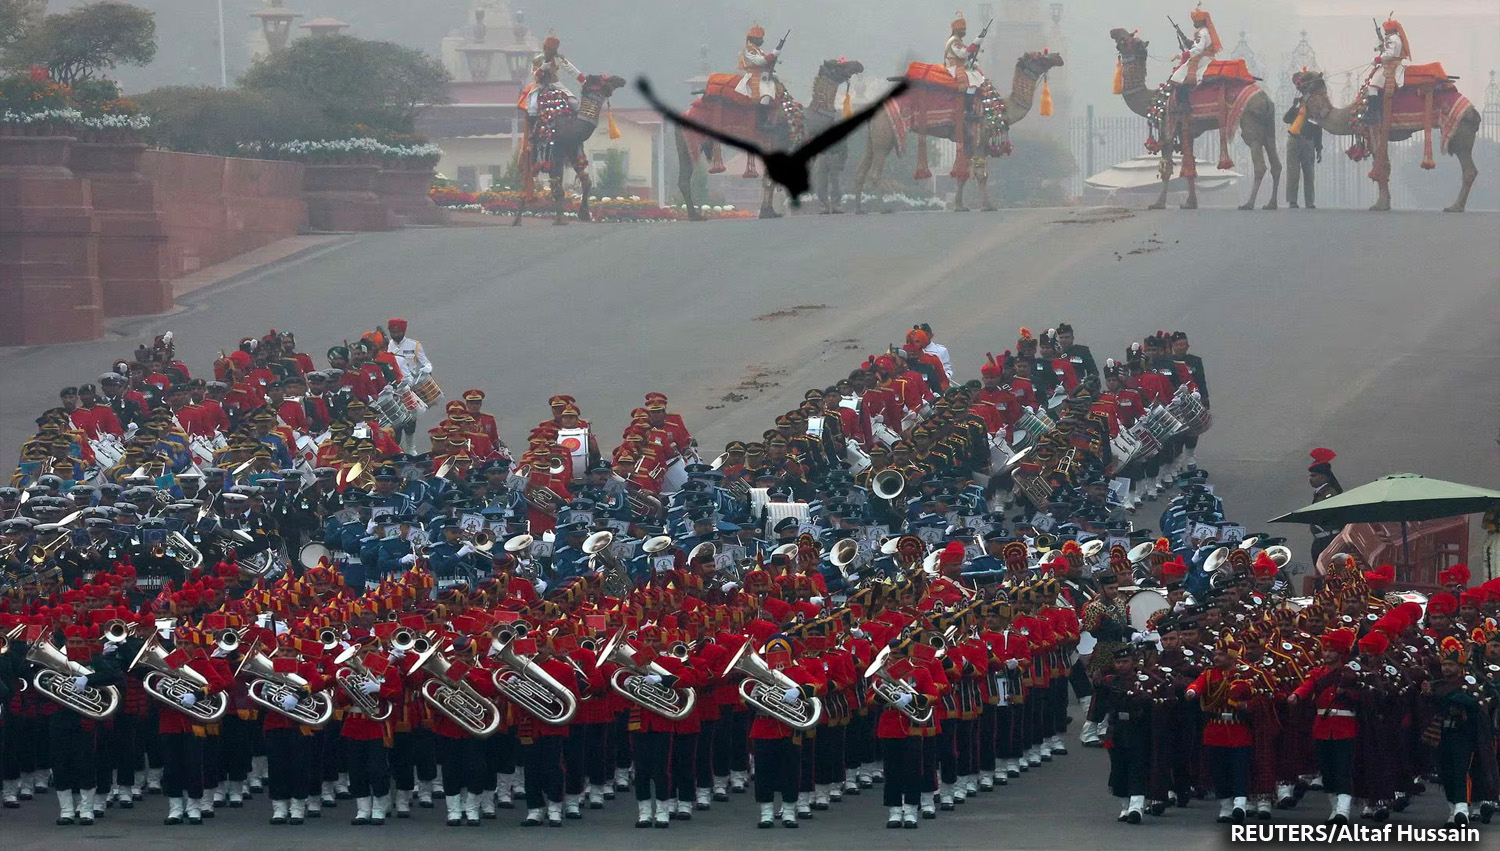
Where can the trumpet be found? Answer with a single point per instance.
(352, 675)
(55, 682)
(525, 684)
(890, 689)
(670, 703)
(168, 684)
(268, 686)
(763, 688)
(453, 697)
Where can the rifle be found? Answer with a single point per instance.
(782, 43)
(1183, 42)
(974, 57)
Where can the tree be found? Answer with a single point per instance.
(353, 81)
(79, 43)
(18, 18)
(612, 174)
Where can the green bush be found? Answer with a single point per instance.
(612, 174)
(208, 120)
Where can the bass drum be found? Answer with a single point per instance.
(1143, 604)
(311, 554)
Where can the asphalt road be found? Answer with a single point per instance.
(1061, 805)
(1375, 335)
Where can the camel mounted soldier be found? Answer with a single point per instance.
(759, 82)
(1196, 54)
(1393, 50)
(557, 67)
(962, 60)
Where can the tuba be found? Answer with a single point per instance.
(453, 697)
(268, 686)
(617, 582)
(168, 684)
(55, 682)
(763, 687)
(890, 688)
(352, 675)
(888, 483)
(670, 703)
(525, 684)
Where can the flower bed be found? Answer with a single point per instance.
(608, 209)
(355, 151)
(900, 201)
(36, 105)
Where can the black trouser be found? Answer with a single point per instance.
(595, 752)
(776, 770)
(73, 752)
(412, 759)
(806, 760)
(182, 765)
(859, 741)
(731, 740)
(1230, 769)
(106, 744)
(236, 746)
(1057, 706)
(213, 767)
(929, 777)
(1078, 676)
(575, 776)
(1008, 731)
(1455, 753)
(965, 746)
(989, 720)
(652, 752)
(499, 758)
(1129, 759)
(22, 738)
(1336, 762)
(1300, 157)
(703, 762)
(947, 751)
(463, 765)
(828, 756)
(683, 768)
(542, 763)
(623, 739)
(903, 770)
(286, 777)
(369, 768)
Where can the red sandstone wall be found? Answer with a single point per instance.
(217, 207)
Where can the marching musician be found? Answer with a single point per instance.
(1222, 692)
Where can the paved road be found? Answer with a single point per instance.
(1062, 805)
(1373, 335)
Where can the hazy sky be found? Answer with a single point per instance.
(662, 37)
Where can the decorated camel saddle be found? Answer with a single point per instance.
(1427, 96)
(934, 105)
(1226, 86)
(722, 87)
(725, 109)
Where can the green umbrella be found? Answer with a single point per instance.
(1399, 497)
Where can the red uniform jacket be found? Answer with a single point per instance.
(361, 727)
(1222, 694)
(893, 723)
(766, 727)
(1335, 697)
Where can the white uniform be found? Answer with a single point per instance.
(942, 354)
(1390, 55)
(410, 357)
(956, 60)
(758, 82)
(1199, 54)
(562, 70)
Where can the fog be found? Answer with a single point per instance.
(662, 38)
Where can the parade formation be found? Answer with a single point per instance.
(328, 587)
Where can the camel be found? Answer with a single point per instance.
(1456, 112)
(884, 136)
(1257, 125)
(570, 131)
(821, 113)
(731, 113)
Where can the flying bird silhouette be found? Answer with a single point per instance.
(789, 170)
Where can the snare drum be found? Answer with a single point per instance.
(390, 408)
(1036, 424)
(1189, 410)
(427, 389)
(410, 400)
(884, 433)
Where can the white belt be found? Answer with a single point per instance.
(1338, 713)
(1123, 716)
(1228, 717)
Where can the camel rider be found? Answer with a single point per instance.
(957, 57)
(1195, 59)
(758, 74)
(1393, 49)
(550, 60)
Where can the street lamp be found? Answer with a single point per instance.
(223, 57)
(276, 23)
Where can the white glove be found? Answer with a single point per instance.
(188, 699)
(858, 634)
(109, 647)
(729, 587)
(1181, 605)
(1012, 664)
(465, 549)
(397, 654)
(1138, 638)
(634, 681)
(80, 683)
(541, 586)
(816, 601)
(903, 700)
(369, 687)
(409, 558)
(426, 370)
(790, 695)
(652, 679)
(289, 702)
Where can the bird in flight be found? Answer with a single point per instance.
(789, 170)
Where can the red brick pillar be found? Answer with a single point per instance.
(407, 194)
(49, 246)
(132, 236)
(342, 198)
